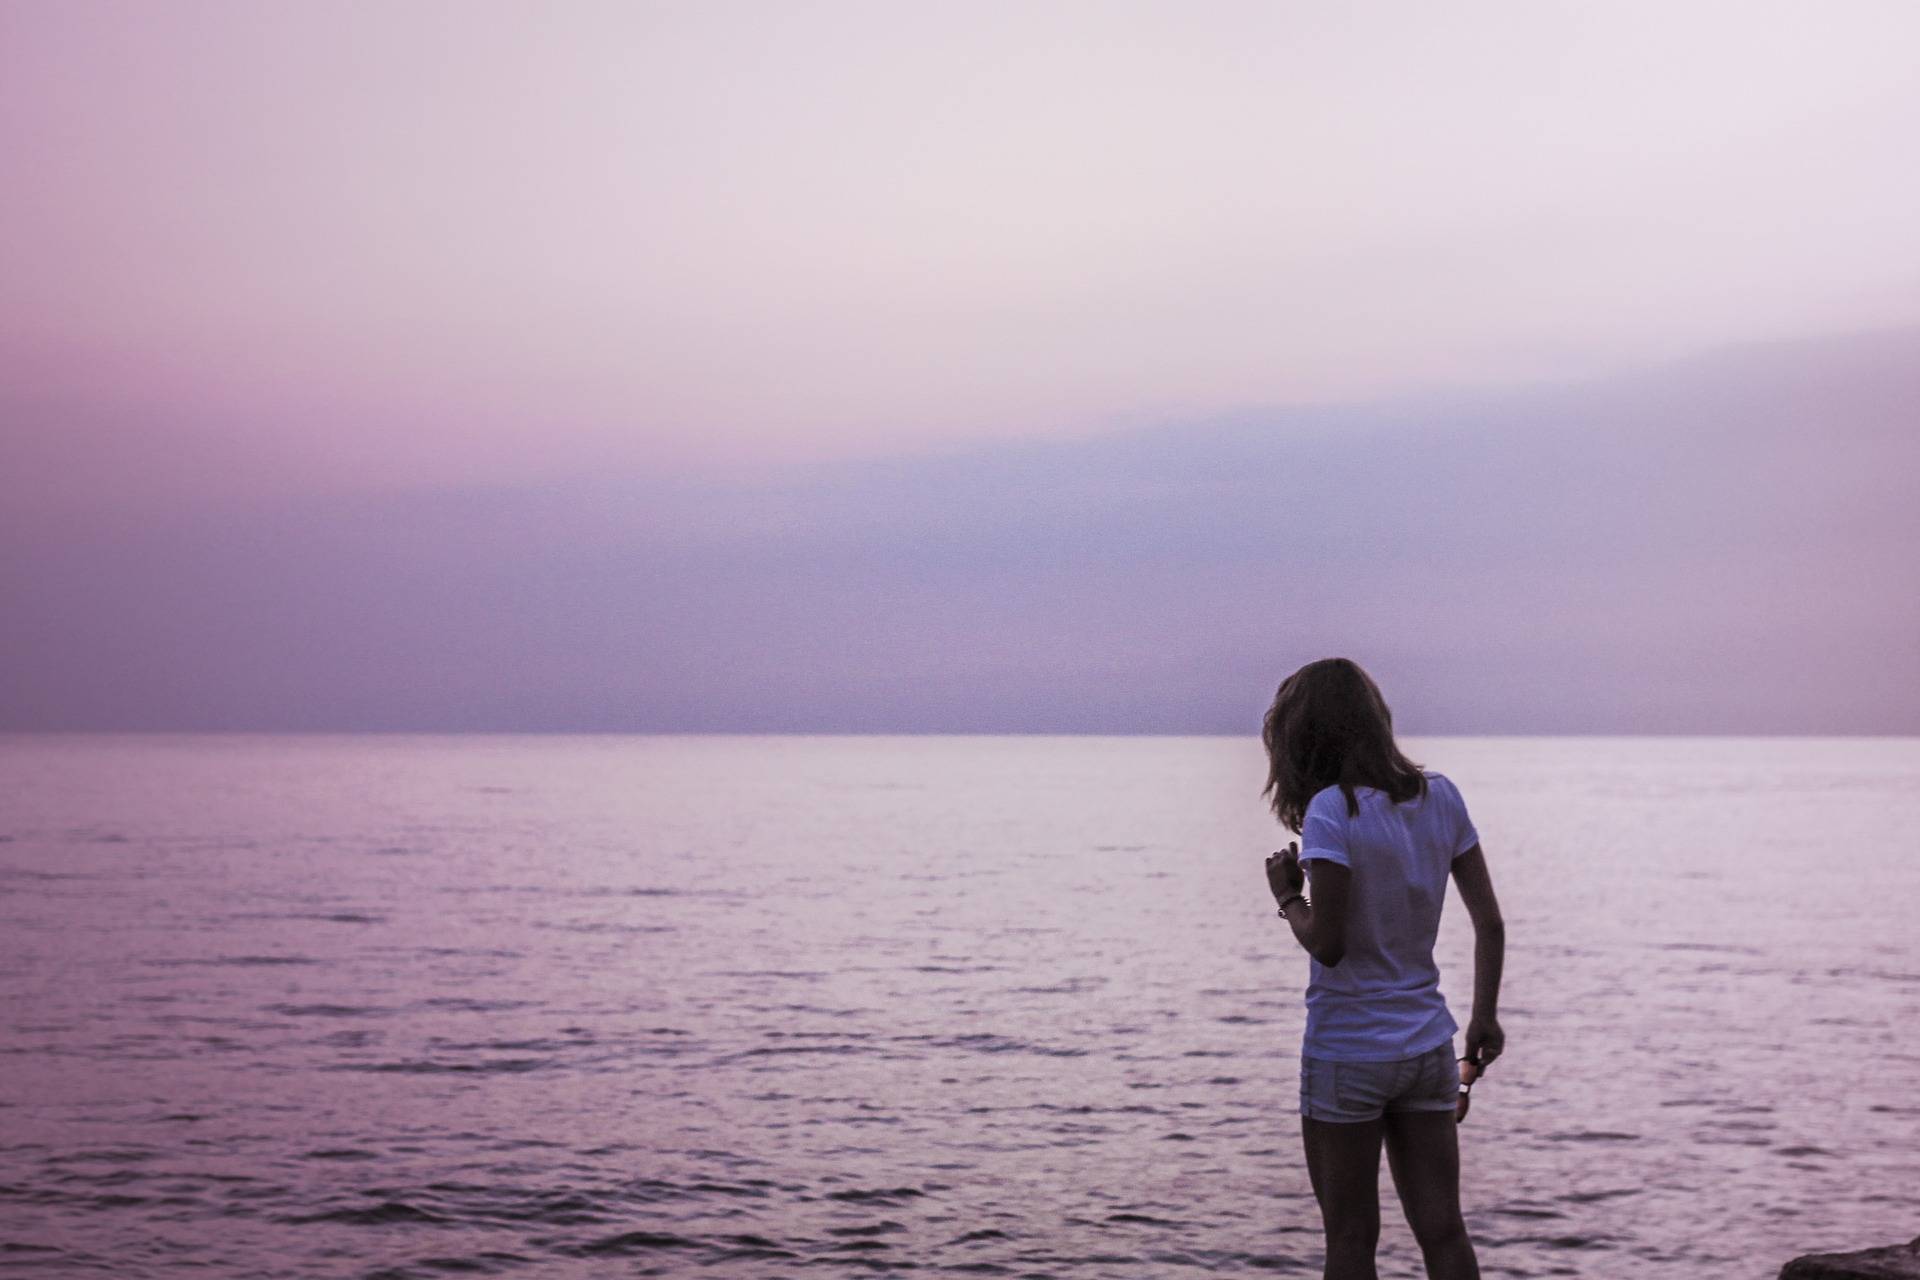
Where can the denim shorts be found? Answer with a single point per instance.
(1347, 1092)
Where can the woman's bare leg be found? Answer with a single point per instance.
(1423, 1150)
(1343, 1160)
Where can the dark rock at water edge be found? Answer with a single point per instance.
(1894, 1262)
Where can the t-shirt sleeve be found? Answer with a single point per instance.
(1323, 832)
(1464, 836)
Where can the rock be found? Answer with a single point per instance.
(1894, 1262)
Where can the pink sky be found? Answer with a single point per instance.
(957, 366)
(431, 242)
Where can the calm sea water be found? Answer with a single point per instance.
(759, 1007)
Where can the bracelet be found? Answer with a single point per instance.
(1289, 901)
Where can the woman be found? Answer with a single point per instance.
(1379, 836)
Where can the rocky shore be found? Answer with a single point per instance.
(1893, 1262)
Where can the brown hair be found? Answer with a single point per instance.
(1329, 726)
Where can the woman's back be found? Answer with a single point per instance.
(1383, 1000)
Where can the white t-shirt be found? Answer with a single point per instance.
(1383, 1001)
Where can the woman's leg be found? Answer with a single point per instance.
(1343, 1160)
(1423, 1150)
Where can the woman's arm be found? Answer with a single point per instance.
(1485, 1040)
(1321, 927)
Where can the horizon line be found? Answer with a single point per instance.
(6, 732)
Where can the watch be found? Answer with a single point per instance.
(1289, 901)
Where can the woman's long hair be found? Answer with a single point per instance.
(1329, 726)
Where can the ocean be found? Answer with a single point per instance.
(756, 1007)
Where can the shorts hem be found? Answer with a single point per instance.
(1323, 1115)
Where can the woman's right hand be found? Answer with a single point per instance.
(1485, 1041)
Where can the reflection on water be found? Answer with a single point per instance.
(999, 1006)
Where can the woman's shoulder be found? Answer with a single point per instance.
(1329, 800)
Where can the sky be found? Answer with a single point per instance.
(957, 367)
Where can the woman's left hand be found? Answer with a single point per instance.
(1284, 875)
